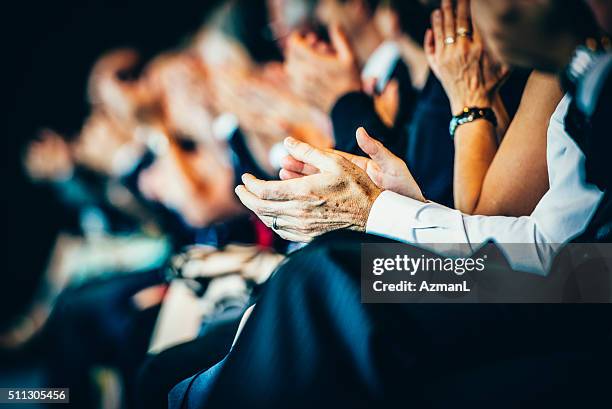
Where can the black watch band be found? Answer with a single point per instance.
(470, 115)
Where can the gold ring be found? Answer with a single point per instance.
(449, 40)
(464, 32)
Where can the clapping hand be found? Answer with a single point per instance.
(320, 73)
(338, 196)
(385, 169)
(468, 72)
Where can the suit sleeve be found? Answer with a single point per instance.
(354, 110)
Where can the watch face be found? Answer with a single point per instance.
(582, 60)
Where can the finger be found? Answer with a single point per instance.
(299, 47)
(341, 43)
(291, 164)
(429, 43)
(273, 190)
(293, 236)
(448, 17)
(285, 223)
(376, 174)
(463, 16)
(476, 37)
(323, 48)
(310, 155)
(259, 206)
(438, 30)
(248, 199)
(369, 86)
(358, 161)
(375, 150)
(295, 37)
(288, 227)
(285, 174)
(311, 39)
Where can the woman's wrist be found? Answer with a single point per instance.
(470, 115)
(458, 105)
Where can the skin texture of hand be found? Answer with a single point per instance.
(468, 72)
(385, 169)
(339, 196)
(321, 74)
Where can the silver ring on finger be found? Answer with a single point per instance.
(449, 40)
(275, 223)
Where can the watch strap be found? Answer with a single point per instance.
(471, 114)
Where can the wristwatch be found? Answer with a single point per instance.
(583, 59)
(470, 115)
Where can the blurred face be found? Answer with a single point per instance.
(192, 181)
(112, 89)
(525, 33)
(179, 81)
(286, 16)
(387, 23)
(105, 145)
(603, 12)
(350, 14)
(219, 52)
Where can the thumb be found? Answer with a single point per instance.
(341, 43)
(369, 86)
(310, 155)
(375, 150)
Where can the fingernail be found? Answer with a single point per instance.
(290, 141)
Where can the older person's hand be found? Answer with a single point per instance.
(455, 51)
(384, 168)
(339, 196)
(321, 74)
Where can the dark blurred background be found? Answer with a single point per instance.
(49, 49)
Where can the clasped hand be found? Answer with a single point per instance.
(326, 190)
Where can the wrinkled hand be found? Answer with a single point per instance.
(319, 73)
(469, 74)
(339, 196)
(385, 169)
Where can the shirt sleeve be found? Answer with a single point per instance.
(418, 222)
(432, 226)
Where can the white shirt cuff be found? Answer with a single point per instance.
(401, 218)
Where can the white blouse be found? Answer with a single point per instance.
(562, 214)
